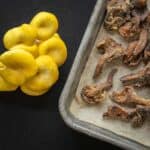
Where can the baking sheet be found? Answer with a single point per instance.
(93, 114)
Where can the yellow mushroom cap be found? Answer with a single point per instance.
(24, 34)
(33, 49)
(46, 24)
(17, 65)
(46, 76)
(5, 86)
(56, 48)
(30, 92)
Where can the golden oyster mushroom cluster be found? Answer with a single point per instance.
(34, 53)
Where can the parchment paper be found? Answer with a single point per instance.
(93, 114)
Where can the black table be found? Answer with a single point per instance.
(34, 123)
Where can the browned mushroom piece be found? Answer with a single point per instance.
(130, 30)
(116, 112)
(128, 54)
(138, 79)
(135, 116)
(139, 3)
(113, 23)
(119, 14)
(142, 14)
(112, 50)
(144, 110)
(147, 53)
(146, 22)
(139, 115)
(93, 94)
(134, 52)
(122, 4)
(137, 120)
(117, 10)
(128, 97)
(141, 42)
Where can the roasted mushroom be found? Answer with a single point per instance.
(116, 112)
(117, 12)
(147, 53)
(128, 97)
(135, 116)
(129, 53)
(138, 79)
(138, 20)
(139, 3)
(142, 14)
(130, 30)
(133, 54)
(144, 110)
(146, 22)
(112, 50)
(127, 14)
(141, 42)
(93, 94)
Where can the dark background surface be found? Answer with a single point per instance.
(34, 123)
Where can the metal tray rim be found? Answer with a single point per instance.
(76, 124)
